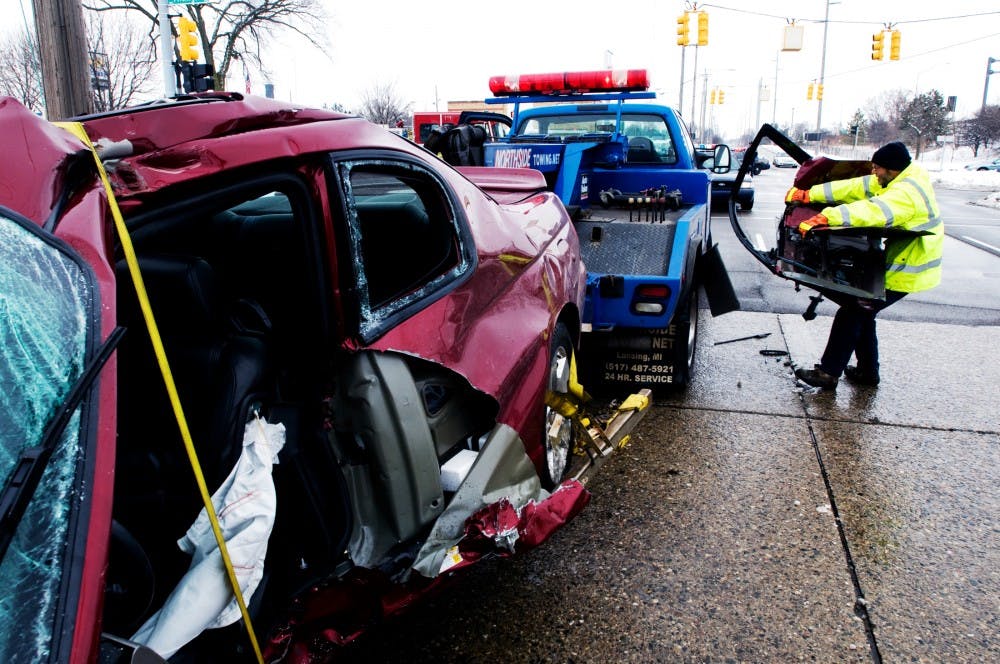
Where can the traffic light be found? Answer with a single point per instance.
(809, 92)
(722, 96)
(894, 45)
(878, 45)
(819, 92)
(187, 39)
(702, 28)
(683, 29)
(711, 96)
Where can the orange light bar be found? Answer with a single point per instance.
(601, 80)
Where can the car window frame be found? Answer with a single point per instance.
(373, 322)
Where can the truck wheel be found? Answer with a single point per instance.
(558, 431)
(687, 338)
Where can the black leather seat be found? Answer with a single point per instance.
(641, 150)
(219, 357)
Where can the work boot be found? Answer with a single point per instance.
(860, 376)
(817, 378)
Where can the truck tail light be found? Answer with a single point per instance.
(601, 80)
(650, 299)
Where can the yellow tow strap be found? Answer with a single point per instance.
(78, 130)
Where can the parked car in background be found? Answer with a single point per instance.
(722, 183)
(759, 163)
(784, 161)
(327, 295)
(991, 165)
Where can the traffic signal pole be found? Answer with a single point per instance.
(166, 51)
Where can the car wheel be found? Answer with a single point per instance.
(558, 428)
(982, 168)
(686, 340)
(746, 206)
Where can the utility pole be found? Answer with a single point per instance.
(62, 50)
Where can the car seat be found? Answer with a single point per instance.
(641, 150)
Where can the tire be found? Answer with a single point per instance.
(559, 442)
(746, 207)
(687, 340)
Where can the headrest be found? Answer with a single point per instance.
(183, 291)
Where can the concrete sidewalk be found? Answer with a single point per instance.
(714, 535)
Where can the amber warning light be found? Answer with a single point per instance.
(602, 80)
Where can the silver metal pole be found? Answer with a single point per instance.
(680, 97)
(986, 85)
(694, 85)
(822, 68)
(774, 113)
(166, 51)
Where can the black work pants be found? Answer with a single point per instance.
(853, 332)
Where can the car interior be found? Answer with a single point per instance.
(240, 291)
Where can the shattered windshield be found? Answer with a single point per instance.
(45, 301)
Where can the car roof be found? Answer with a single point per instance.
(200, 135)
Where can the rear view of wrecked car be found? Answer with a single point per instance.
(248, 345)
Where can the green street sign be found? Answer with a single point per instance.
(190, 2)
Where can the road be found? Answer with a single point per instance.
(969, 293)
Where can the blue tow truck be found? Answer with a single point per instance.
(639, 193)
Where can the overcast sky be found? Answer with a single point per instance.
(435, 52)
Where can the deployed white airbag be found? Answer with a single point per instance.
(245, 505)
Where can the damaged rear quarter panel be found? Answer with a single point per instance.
(494, 329)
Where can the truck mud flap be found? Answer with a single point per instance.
(714, 278)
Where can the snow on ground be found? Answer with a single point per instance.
(947, 169)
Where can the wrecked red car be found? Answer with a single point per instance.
(346, 342)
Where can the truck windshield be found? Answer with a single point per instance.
(45, 309)
(648, 135)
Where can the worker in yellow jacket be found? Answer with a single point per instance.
(898, 195)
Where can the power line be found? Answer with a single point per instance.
(819, 20)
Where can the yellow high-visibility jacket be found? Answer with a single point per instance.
(908, 202)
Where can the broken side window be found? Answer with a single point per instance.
(407, 239)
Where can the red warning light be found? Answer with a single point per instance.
(571, 82)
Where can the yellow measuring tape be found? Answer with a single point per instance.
(78, 130)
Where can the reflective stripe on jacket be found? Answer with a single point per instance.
(908, 202)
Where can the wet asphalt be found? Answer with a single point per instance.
(752, 520)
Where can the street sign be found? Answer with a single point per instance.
(190, 2)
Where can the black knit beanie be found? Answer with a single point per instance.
(892, 156)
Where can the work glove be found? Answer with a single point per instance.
(796, 195)
(816, 221)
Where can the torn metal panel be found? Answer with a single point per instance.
(502, 473)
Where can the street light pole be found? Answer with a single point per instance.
(989, 72)
(774, 112)
(822, 69)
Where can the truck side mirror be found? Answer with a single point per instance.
(722, 159)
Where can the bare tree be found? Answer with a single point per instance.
(122, 61)
(232, 30)
(884, 113)
(982, 130)
(20, 70)
(382, 105)
(121, 64)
